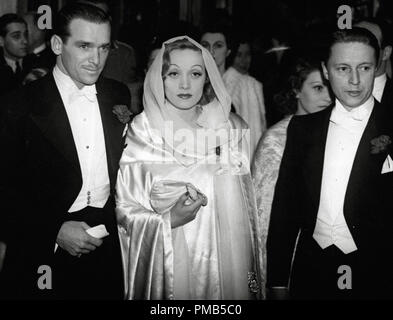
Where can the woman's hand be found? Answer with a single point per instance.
(184, 211)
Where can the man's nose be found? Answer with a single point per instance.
(354, 77)
(24, 40)
(95, 57)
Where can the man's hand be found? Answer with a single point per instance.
(73, 238)
(3, 248)
(182, 213)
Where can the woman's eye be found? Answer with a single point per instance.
(173, 74)
(365, 68)
(205, 45)
(318, 88)
(196, 74)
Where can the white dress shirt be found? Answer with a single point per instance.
(379, 86)
(85, 119)
(344, 134)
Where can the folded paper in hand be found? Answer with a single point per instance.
(387, 165)
(96, 232)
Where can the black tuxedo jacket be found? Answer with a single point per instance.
(387, 96)
(8, 80)
(368, 205)
(41, 175)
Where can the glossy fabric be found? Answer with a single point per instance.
(208, 258)
(215, 256)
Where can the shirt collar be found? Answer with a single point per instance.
(12, 64)
(359, 114)
(68, 86)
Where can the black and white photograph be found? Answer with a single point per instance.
(200, 157)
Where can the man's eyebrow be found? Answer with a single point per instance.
(16, 32)
(83, 42)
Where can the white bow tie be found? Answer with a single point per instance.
(88, 92)
(353, 117)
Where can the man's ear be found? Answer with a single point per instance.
(228, 53)
(56, 44)
(325, 72)
(386, 53)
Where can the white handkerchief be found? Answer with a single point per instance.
(387, 165)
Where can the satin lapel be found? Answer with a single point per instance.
(50, 116)
(314, 159)
(113, 130)
(387, 96)
(365, 165)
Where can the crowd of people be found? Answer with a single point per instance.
(177, 186)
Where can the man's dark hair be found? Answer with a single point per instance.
(74, 11)
(355, 34)
(7, 19)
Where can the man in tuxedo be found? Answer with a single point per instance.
(64, 144)
(40, 54)
(383, 86)
(329, 233)
(13, 48)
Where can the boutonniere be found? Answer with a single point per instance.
(122, 113)
(380, 144)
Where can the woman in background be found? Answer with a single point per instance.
(245, 91)
(304, 91)
(185, 202)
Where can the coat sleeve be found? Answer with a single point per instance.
(145, 237)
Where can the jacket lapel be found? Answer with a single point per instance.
(387, 96)
(50, 116)
(314, 159)
(113, 130)
(366, 166)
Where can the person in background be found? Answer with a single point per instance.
(13, 50)
(40, 54)
(245, 91)
(383, 85)
(304, 91)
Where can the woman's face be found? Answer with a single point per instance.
(242, 59)
(216, 44)
(185, 78)
(314, 94)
